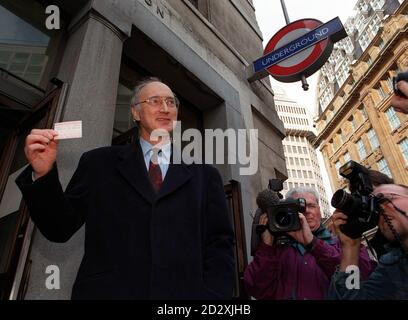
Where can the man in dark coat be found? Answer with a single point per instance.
(153, 229)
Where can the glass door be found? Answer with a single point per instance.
(15, 124)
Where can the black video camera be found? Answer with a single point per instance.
(402, 76)
(362, 208)
(284, 217)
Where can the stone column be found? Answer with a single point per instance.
(91, 66)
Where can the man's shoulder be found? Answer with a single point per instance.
(391, 257)
(207, 169)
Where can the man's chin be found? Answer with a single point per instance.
(164, 129)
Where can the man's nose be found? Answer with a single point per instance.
(163, 106)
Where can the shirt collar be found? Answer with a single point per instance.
(147, 149)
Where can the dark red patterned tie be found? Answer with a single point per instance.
(155, 175)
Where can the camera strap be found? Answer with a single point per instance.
(394, 232)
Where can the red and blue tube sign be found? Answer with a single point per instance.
(300, 48)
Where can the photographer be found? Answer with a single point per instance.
(390, 279)
(377, 178)
(302, 268)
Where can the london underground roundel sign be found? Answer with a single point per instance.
(300, 49)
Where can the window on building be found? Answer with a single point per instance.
(304, 174)
(393, 119)
(372, 138)
(363, 113)
(342, 72)
(299, 150)
(361, 149)
(404, 149)
(291, 160)
(25, 42)
(302, 161)
(290, 185)
(338, 165)
(389, 84)
(307, 162)
(377, 4)
(381, 92)
(310, 174)
(365, 39)
(381, 44)
(299, 174)
(297, 161)
(346, 157)
(294, 174)
(304, 150)
(383, 167)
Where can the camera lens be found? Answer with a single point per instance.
(283, 219)
(347, 203)
(341, 199)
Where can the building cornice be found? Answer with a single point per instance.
(309, 135)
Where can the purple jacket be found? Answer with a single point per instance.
(281, 272)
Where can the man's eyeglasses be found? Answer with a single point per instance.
(312, 206)
(156, 102)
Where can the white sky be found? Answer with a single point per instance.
(270, 19)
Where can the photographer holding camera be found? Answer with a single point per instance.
(378, 241)
(390, 279)
(302, 267)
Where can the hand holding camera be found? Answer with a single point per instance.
(304, 235)
(400, 99)
(361, 207)
(266, 236)
(340, 219)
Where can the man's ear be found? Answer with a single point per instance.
(136, 113)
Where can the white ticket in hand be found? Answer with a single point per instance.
(68, 130)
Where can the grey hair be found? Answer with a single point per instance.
(139, 86)
(297, 190)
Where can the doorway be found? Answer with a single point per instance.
(16, 121)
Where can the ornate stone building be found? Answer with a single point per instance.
(359, 122)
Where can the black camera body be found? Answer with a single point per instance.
(402, 76)
(284, 217)
(362, 208)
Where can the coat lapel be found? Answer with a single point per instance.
(177, 175)
(133, 168)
